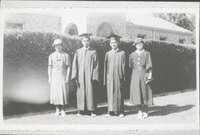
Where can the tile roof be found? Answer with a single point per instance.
(154, 22)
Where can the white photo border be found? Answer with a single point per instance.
(46, 6)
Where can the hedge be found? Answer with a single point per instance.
(26, 56)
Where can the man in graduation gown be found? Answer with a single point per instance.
(85, 72)
(114, 77)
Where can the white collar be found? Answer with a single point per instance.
(115, 50)
(86, 48)
(139, 52)
(58, 52)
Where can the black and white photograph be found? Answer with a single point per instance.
(89, 68)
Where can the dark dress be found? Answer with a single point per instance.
(140, 92)
(85, 71)
(114, 78)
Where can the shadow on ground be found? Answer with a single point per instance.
(24, 109)
(168, 109)
(153, 110)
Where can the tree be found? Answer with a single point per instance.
(184, 20)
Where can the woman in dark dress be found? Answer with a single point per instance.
(140, 62)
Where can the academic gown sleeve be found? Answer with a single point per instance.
(75, 67)
(95, 75)
(130, 61)
(123, 67)
(68, 60)
(105, 69)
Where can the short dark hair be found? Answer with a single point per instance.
(85, 37)
(114, 38)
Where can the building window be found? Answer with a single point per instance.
(18, 26)
(163, 38)
(104, 30)
(143, 36)
(181, 41)
(71, 29)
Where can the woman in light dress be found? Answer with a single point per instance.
(58, 72)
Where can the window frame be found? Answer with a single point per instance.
(11, 25)
(143, 36)
(163, 37)
(181, 39)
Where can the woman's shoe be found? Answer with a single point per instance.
(62, 113)
(140, 114)
(115, 113)
(107, 115)
(121, 115)
(93, 115)
(78, 114)
(57, 113)
(145, 115)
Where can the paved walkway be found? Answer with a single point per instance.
(177, 108)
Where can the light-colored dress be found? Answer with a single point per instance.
(59, 89)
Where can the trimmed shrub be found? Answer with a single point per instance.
(26, 58)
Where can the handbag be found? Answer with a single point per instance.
(146, 79)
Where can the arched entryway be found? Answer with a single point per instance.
(71, 29)
(104, 30)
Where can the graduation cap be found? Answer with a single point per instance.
(114, 36)
(87, 35)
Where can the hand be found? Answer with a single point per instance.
(49, 81)
(150, 76)
(147, 81)
(67, 80)
(77, 83)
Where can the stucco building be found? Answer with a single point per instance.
(129, 26)
(33, 22)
